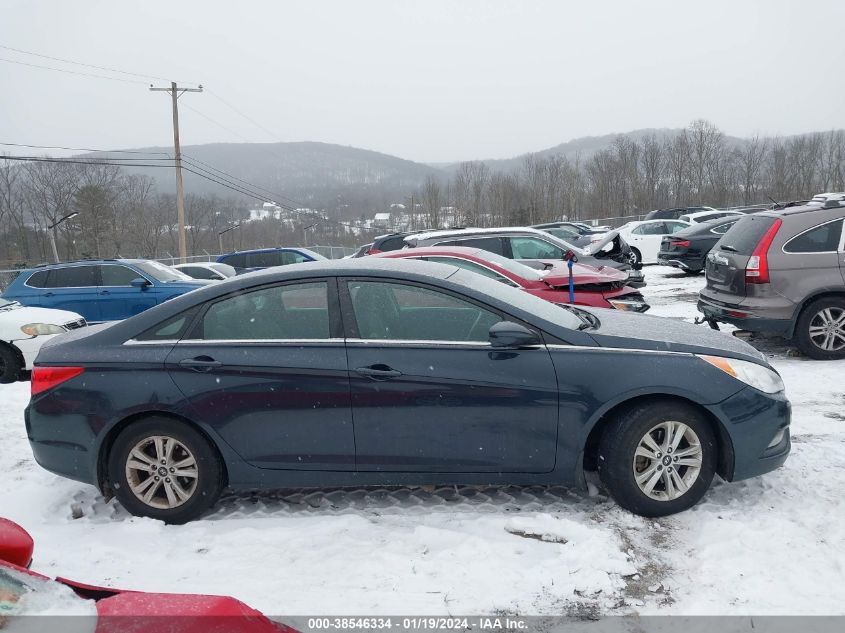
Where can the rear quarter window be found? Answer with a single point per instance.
(821, 239)
(744, 236)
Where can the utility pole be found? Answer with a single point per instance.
(175, 93)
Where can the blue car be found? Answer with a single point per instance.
(101, 290)
(248, 261)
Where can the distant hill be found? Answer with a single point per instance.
(316, 175)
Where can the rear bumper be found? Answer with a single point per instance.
(680, 260)
(757, 426)
(64, 451)
(745, 317)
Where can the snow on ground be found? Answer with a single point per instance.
(770, 545)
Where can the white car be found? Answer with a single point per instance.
(704, 216)
(207, 270)
(23, 330)
(644, 237)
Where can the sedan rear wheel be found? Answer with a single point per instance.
(165, 469)
(658, 458)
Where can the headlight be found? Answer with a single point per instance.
(38, 329)
(757, 376)
(629, 304)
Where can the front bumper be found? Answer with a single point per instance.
(751, 421)
(743, 317)
(29, 347)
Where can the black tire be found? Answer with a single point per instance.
(692, 272)
(208, 470)
(636, 258)
(619, 444)
(10, 364)
(812, 313)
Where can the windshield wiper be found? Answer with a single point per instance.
(588, 321)
(728, 247)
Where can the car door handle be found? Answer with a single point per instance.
(48, 294)
(200, 363)
(377, 372)
(104, 292)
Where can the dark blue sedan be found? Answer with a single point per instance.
(362, 372)
(101, 290)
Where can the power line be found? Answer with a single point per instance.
(73, 72)
(82, 149)
(70, 61)
(74, 161)
(248, 118)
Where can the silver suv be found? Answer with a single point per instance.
(783, 272)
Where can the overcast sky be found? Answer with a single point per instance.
(430, 80)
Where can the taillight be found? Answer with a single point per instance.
(44, 378)
(684, 243)
(373, 251)
(757, 268)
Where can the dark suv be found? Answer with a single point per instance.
(783, 272)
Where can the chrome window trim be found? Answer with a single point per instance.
(251, 341)
(389, 341)
(813, 228)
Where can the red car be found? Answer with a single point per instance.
(597, 287)
(24, 592)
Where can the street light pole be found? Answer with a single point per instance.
(220, 236)
(52, 233)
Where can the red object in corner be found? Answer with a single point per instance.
(16, 544)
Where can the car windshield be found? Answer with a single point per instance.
(160, 272)
(25, 594)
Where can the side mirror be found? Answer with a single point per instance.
(510, 335)
(140, 282)
(16, 544)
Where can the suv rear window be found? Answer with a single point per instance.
(744, 236)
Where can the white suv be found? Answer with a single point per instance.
(23, 330)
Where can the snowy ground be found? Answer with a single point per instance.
(771, 545)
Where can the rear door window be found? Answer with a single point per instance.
(492, 244)
(744, 236)
(822, 239)
(73, 277)
(293, 311)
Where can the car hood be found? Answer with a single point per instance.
(27, 314)
(606, 239)
(583, 274)
(638, 331)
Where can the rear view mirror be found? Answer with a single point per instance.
(16, 544)
(510, 335)
(140, 282)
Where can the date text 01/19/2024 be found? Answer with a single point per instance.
(421, 623)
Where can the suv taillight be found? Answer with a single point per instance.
(373, 251)
(44, 378)
(757, 268)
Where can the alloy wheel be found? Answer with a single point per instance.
(667, 461)
(827, 329)
(162, 472)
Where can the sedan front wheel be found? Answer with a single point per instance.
(658, 458)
